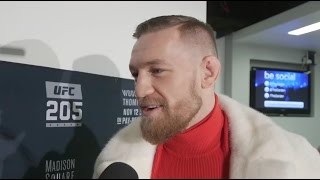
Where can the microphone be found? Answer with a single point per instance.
(119, 170)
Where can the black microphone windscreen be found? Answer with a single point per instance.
(119, 170)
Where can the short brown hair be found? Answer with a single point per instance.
(189, 27)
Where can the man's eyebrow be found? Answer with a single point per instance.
(152, 62)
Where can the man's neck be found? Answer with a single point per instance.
(205, 109)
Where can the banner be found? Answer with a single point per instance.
(54, 123)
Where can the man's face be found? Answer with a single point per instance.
(167, 84)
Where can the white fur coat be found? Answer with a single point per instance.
(259, 148)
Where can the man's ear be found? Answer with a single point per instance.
(210, 67)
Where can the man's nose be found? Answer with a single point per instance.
(143, 86)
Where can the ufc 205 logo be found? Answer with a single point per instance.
(64, 105)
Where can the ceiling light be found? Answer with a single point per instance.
(306, 29)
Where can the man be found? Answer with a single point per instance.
(186, 129)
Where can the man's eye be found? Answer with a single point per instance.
(134, 75)
(156, 71)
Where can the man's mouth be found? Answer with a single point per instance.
(150, 109)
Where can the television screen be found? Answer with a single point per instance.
(280, 91)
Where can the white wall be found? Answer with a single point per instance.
(93, 37)
(240, 65)
(219, 87)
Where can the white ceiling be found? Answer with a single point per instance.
(274, 31)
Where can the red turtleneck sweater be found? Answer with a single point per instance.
(202, 151)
